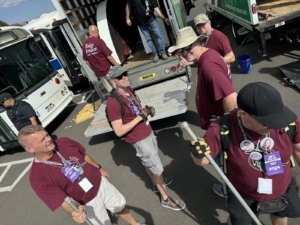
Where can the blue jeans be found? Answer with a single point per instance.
(153, 27)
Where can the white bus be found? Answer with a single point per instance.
(54, 38)
(25, 72)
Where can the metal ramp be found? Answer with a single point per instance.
(292, 73)
(167, 103)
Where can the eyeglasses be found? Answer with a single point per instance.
(258, 121)
(121, 76)
(187, 48)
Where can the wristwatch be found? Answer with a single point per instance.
(99, 166)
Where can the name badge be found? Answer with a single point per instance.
(273, 163)
(85, 184)
(70, 172)
(264, 186)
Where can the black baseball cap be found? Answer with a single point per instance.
(4, 96)
(264, 102)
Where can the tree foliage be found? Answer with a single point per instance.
(2, 24)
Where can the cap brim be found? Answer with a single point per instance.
(279, 120)
(185, 44)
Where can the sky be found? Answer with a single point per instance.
(14, 11)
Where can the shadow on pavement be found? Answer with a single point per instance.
(144, 214)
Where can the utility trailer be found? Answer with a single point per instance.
(161, 84)
(259, 19)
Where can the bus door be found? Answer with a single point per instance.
(8, 138)
(65, 55)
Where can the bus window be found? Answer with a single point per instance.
(31, 57)
(43, 46)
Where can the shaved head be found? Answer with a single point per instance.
(93, 31)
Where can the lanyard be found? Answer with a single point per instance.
(208, 36)
(130, 98)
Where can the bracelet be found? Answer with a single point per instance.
(164, 18)
(99, 166)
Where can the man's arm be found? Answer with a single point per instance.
(120, 129)
(159, 12)
(229, 58)
(229, 102)
(91, 161)
(127, 13)
(33, 120)
(296, 152)
(112, 60)
(78, 217)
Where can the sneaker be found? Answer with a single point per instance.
(218, 189)
(164, 56)
(167, 180)
(155, 58)
(141, 223)
(173, 204)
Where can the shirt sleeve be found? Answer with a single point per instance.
(43, 190)
(212, 138)
(217, 78)
(154, 3)
(27, 110)
(103, 47)
(224, 44)
(113, 109)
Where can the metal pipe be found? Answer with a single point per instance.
(185, 126)
(73, 206)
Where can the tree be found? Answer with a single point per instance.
(3, 24)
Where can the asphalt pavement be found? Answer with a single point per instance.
(20, 205)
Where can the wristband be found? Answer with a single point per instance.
(99, 166)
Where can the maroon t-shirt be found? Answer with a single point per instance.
(218, 42)
(140, 131)
(214, 82)
(95, 51)
(52, 186)
(242, 171)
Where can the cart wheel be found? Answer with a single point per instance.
(139, 46)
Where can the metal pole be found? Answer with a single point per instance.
(70, 203)
(185, 126)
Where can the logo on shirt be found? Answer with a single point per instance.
(90, 49)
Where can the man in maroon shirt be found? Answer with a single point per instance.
(215, 39)
(258, 175)
(98, 56)
(215, 94)
(136, 129)
(62, 168)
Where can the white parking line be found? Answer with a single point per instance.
(8, 165)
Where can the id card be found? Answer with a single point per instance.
(85, 184)
(273, 163)
(264, 186)
(70, 172)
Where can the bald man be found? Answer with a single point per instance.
(98, 56)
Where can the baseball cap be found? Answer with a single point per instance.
(201, 19)
(115, 71)
(264, 102)
(185, 37)
(4, 96)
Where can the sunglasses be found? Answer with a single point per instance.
(187, 48)
(121, 76)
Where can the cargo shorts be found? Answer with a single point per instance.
(147, 151)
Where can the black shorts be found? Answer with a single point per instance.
(239, 216)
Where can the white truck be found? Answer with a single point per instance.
(162, 84)
(259, 19)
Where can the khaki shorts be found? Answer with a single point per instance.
(108, 197)
(147, 151)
